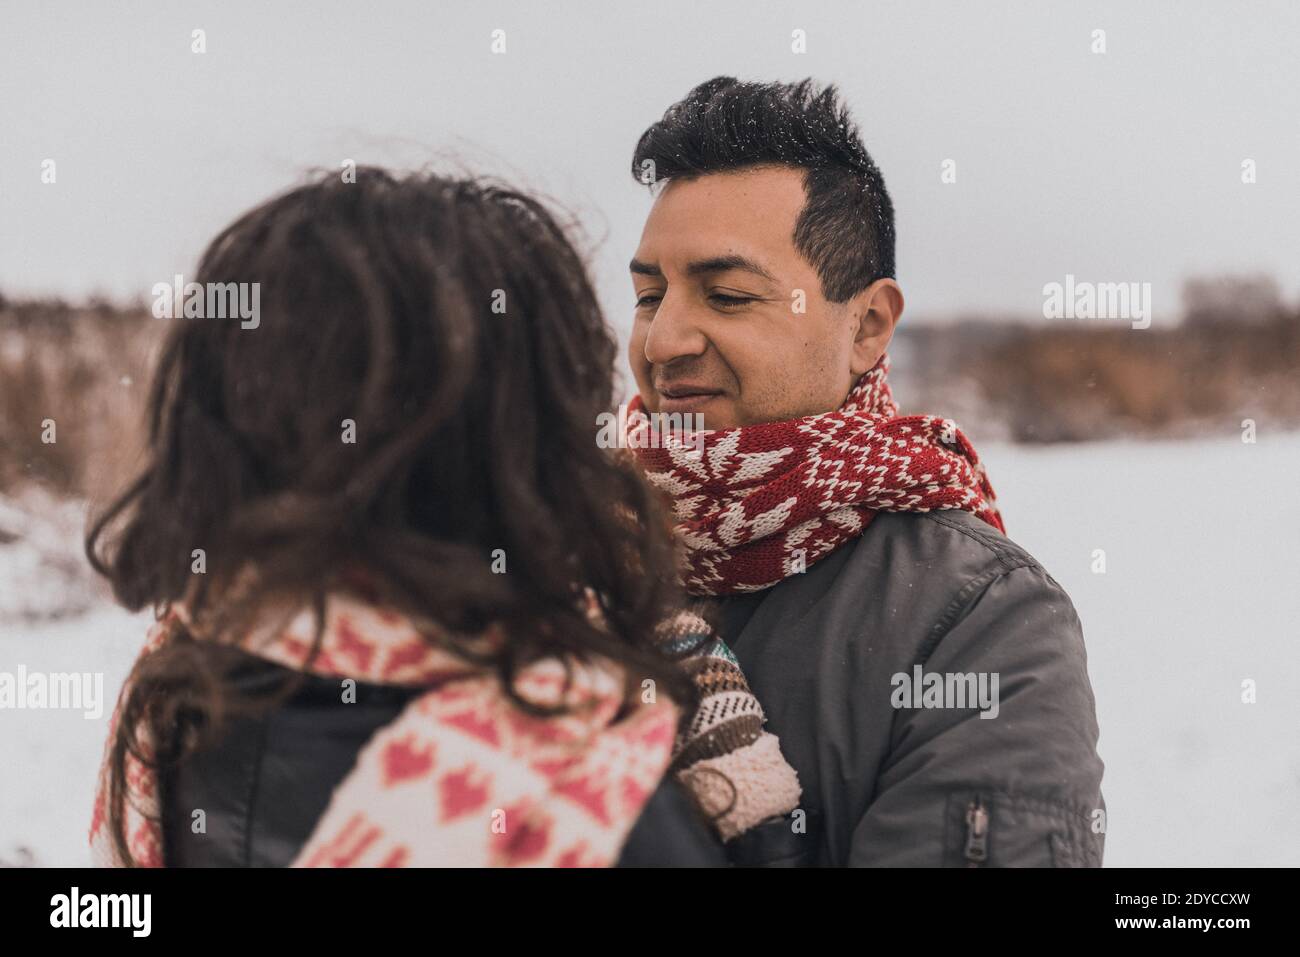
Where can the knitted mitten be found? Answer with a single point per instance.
(734, 768)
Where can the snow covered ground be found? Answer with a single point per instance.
(1201, 591)
(54, 617)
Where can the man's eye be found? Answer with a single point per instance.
(722, 299)
(647, 300)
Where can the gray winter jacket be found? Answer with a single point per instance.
(885, 786)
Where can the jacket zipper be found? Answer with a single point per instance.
(977, 831)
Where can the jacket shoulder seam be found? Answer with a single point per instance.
(1010, 558)
(962, 600)
(1006, 557)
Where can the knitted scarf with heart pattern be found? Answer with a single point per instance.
(463, 777)
(756, 504)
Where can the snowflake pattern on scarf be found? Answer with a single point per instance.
(758, 503)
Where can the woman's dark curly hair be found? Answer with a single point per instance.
(454, 324)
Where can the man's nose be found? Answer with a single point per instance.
(673, 334)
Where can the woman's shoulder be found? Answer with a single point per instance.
(264, 778)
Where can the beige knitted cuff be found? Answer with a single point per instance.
(744, 787)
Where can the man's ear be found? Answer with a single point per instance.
(875, 311)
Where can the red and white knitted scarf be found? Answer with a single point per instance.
(758, 503)
(462, 776)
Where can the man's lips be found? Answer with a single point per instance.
(681, 391)
(684, 398)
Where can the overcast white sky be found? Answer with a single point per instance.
(1117, 167)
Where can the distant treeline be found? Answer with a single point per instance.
(74, 378)
(1071, 382)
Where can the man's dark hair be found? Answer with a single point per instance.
(846, 229)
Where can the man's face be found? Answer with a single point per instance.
(719, 285)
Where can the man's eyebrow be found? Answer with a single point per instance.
(644, 269)
(725, 263)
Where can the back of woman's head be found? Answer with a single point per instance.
(417, 399)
